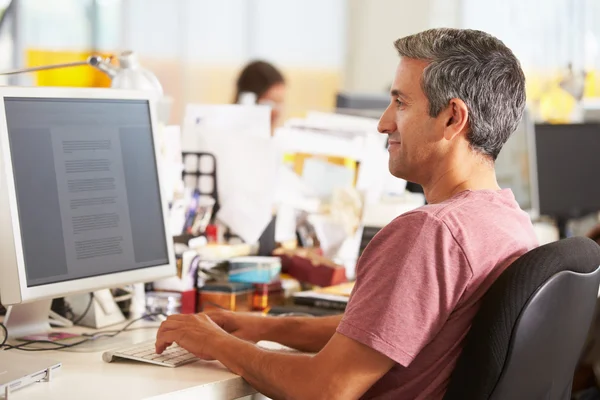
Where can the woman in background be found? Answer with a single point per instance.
(268, 85)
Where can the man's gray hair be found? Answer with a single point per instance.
(478, 69)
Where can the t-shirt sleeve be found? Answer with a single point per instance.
(409, 279)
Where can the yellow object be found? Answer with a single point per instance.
(592, 84)
(297, 161)
(557, 106)
(343, 289)
(83, 76)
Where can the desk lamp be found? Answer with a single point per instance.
(127, 75)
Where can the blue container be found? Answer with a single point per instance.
(254, 269)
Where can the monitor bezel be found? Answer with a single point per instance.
(13, 280)
(529, 122)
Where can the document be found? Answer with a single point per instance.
(92, 197)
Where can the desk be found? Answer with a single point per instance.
(86, 376)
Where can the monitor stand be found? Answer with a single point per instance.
(35, 319)
(28, 319)
(101, 313)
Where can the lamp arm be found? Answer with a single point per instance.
(43, 68)
(94, 61)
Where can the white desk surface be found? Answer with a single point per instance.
(86, 376)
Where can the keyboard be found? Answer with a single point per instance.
(174, 356)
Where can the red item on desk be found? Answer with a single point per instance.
(212, 233)
(188, 302)
(311, 268)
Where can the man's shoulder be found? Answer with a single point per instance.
(471, 207)
(415, 220)
(413, 229)
(430, 214)
(463, 217)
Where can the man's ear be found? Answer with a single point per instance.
(457, 118)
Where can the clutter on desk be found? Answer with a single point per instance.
(262, 270)
(200, 174)
(184, 283)
(268, 295)
(308, 186)
(217, 252)
(232, 296)
(333, 297)
(246, 159)
(311, 267)
(167, 303)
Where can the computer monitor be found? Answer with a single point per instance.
(81, 206)
(362, 105)
(516, 166)
(568, 161)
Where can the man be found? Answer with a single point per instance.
(456, 98)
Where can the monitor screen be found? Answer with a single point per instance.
(377, 102)
(513, 165)
(568, 161)
(87, 187)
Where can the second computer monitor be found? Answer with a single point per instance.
(568, 164)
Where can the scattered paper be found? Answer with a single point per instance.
(247, 217)
(324, 177)
(171, 160)
(225, 120)
(331, 233)
(247, 162)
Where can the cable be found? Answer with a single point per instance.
(87, 309)
(87, 337)
(5, 335)
(116, 330)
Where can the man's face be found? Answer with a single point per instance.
(413, 136)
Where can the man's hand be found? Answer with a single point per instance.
(192, 332)
(244, 326)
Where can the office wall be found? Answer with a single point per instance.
(374, 25)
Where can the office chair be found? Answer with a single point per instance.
(527, 337)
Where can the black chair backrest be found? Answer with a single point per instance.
(526, 338)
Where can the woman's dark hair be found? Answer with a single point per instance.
(257, 77)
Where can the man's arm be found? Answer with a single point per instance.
(343, 369)
(301, 333)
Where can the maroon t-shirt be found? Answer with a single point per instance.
(420, 281)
